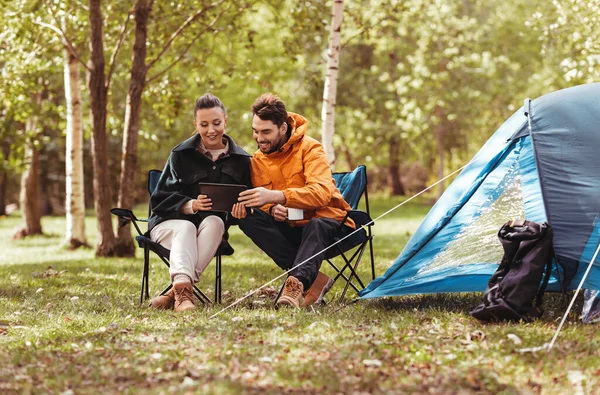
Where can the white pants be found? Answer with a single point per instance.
(191, 249)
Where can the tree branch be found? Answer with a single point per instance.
(113, 57)
(180, 29)
(65, 40)
(207, 28)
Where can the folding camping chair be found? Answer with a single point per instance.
(353, 185)
(143, 239)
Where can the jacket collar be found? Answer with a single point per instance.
(299, 125)
(193, 142)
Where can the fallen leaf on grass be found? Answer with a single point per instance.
(188, 382)
(268, 292)
(534, 349)
(265, 359)
(515, 339)
(576, 378)
(372, 363)
(314, 325)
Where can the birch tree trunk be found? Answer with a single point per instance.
(74, 202)
(329, 94)
(132, 123)
(98, 99)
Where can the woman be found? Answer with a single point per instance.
(181, 219)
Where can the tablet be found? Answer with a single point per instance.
(223, 196)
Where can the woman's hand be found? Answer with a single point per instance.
(279, 212)
(202, 203)
(238, 211)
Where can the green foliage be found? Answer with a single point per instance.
(429, 78)
(569, 31)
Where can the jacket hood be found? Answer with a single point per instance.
(193, 142)
(299, 126)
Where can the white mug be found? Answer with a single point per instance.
(294, 214)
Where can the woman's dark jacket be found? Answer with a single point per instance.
(186, 168)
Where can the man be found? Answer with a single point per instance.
(290, 171)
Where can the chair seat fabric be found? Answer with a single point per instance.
(357, 238)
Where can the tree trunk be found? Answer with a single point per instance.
(440, 147)
(349, 157)
(329, 93)
(132, 123)
(98, 98)
(394, 168)
(29, 198)
(4, 178)
(74, 202)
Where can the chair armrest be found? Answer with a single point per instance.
(126, 216)
(123, 213)
(360, 218)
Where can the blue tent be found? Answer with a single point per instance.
(541, 167)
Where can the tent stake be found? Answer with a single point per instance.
(573, 300)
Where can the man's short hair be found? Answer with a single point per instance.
(270, 107)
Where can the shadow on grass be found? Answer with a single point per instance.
(554, 304)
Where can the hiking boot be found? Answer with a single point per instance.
(292, 293)
(317, 290)
(164, 302)
(184, 297)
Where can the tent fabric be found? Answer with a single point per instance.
(548, 173)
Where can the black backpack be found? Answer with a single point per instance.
(520, 277)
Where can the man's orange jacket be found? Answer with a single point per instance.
(300, 169)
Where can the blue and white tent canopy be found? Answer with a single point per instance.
(549, 172)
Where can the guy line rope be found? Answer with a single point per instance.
(337, 242)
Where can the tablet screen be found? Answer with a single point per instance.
(223, 196)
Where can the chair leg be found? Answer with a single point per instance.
(279, 294)
(201, 296)
(218, 276)
(148, 278)
(167, 289)
(340, 273)
(372, 257)
(353, 274)
(145, 275)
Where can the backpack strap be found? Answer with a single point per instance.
(542, 289)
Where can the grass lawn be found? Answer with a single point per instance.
(71, 323)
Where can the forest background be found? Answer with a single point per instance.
(422, 85)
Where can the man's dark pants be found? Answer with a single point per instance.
(290, 246)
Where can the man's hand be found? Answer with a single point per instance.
(238, 211)
(279, 212)
(202, 203)
(260, 196)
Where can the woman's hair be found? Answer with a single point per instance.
(208, 100)
(270, 107)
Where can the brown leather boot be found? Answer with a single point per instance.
(292, 293)
(317, 290)
(184, 297)
(164, 302)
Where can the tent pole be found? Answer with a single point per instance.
(574, 297)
